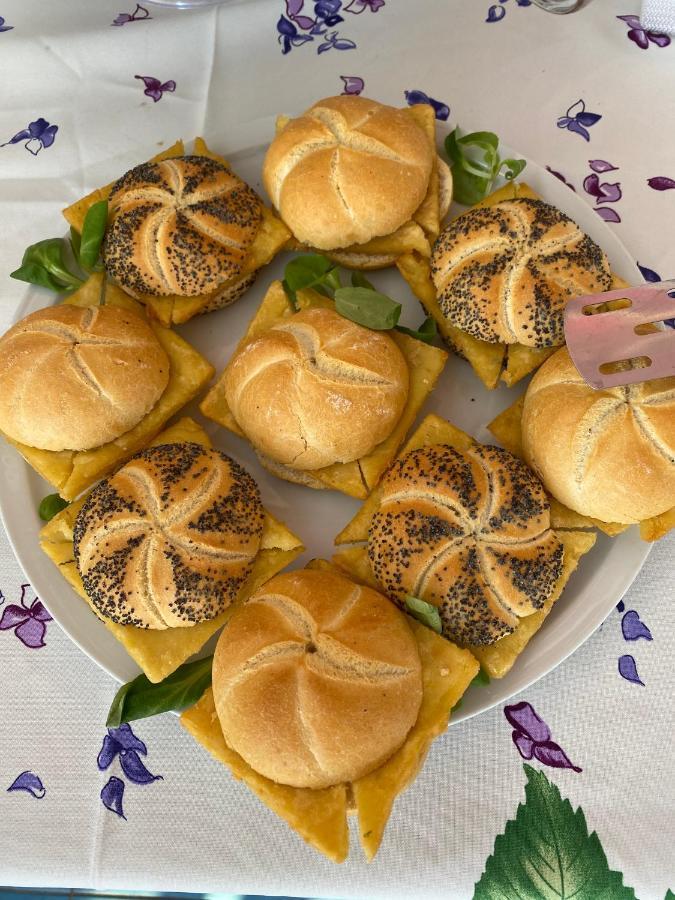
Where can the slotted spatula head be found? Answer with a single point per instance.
(623, 337)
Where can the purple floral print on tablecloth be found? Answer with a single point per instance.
(30, 783)
(628, 669)
(353, 84)
(359, 6)
(532, 737)
(661, 183)
(562, 178)
(38, 135)
(154, 87)
(305, 23)
(633, 628)
(497, 11)
(603, 191)
(4, 27)
(29, 623)
(578, 120)
(112, 794)
(140, 14)
(121, 743)
(441, 110)
(648, 275)
(638, 35)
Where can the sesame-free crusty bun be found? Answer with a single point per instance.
(504, 273)
(75, 378)
(169, 539)
(347, 170)
(316, 680)
(608, 454)
(317, 389)
(180, 226)
(469, 533)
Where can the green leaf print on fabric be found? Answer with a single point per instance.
(546, 853)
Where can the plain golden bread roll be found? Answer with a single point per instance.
(316, 680)
(347, 170)
(180, 226)
(169, 539)
(504, 273)
(74, 378)
(608, 454)
(317, 389)
(469, 533)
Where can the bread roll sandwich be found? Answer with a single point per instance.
(468, 532)
(608, 454)
(359, 179)
(324, 700)
(170, 538)
(85, 384)
(325, 402)
(185, 234)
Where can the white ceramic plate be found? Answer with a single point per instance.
(317, 516)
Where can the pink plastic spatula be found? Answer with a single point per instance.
(623, 337)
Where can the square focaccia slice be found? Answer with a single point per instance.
(72, 471)
(496, 659)
(357, 478)
(172, 308)
(319, 816)
(160, 652)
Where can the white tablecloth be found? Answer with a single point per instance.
(592, 95)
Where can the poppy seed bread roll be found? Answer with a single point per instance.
(317, 389)
(347, 170)
(74, 378)
(316, 680)
(170, 538)
(608, 454)
(504, 273)
(469, 533)
(180, 226)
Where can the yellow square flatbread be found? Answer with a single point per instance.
(158, 653)
(320, 816)
(72, 471)
(171, 308)
(425, 364)
(498, 658)
(507, 428)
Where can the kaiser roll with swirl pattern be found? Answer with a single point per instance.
(469, 533)
(316, 680)
(170, 538)
(504, 273)
(181, 226)
(317, 389)
(347, 170)
(609, 454)
(73, 378)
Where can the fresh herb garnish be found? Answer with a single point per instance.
(140, 698)
(482, 678)
(46, 264)
(50, 506)
(424, 612)
(361, 303)
(476, 164)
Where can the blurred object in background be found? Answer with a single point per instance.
(559, 6)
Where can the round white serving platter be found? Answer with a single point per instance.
(317, 516)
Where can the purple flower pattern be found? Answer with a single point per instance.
(578, 120)
(140, 14)
(633, 628)
(37, 136)
(358, 6)
(441, 110)
(638, 35)
(603, 191)
(652, 276)
(4, 27)
(562, 178)
(155, 88)
(297, 27)
(29, 623)
(661, 183)
(30, 783)
(122, 744)
(112, 794)
(497, 11)
(353, 84)
(628, 669)
(532, 737)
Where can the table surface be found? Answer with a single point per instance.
(590, 95)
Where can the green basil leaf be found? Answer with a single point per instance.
(140, 698)
(482, 138)
(426, 332)
(332, 279)
(75, 240)
(360, 280)
(49, 255)
(368, 308)
(33, 273)
(50, 506)
(512, 167)
(424, 612)
(451, 146)
(469, 189)
(93, 231)
(291, 296)
(482, 678)
(307, 271)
